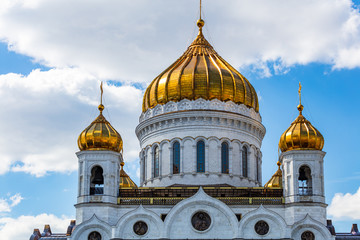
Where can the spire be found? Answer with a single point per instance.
(300, 107)
(101, 106)
(200, 23)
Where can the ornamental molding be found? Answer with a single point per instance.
(200, 120)
(200, 104)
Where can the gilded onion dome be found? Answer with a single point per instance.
(100, 135)
(200, 73)
(301, 135)
(125, 180)
(276, 180)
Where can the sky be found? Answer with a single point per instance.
(53, 55)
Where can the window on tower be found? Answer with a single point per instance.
(258, 168)
(200, 156)
(305, 181)
(96, 181)
(244, 162)
(156, 162)
(224, 157)
(176, 157)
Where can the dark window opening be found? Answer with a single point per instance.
(305, 181)
(200, 156)
(176, 158)
(156, 162)
(96, 181)
(224, 157)
(244, 162)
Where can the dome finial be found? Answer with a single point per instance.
(300, 107)
(200, 23)
(101, 106)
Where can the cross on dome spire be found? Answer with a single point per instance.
(300, 107)
(101, 106)
(200, 23)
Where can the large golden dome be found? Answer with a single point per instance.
(100, 135)
(200, 73)
(301, 135)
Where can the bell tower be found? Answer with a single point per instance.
(302, 159)
(99, 157)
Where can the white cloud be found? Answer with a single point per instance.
(6, 204)
(45, 112)
(133, 41)
(345, 206)
(23, 226)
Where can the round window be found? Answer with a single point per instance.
(201, 221)
(261, 227)
(307, 236)
(94, 236)
(140, 228)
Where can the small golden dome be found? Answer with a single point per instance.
(301, 135)
(125, 180)
(200, 73)
(276, 180)
(100, 135)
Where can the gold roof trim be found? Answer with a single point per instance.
(100, 135)
(125, 180)
(200, 73)
(276, 180)
(301, 135)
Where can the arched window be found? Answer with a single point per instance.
(200, 156)
(244, 162)
(176, 157)
(258, 168)
(305, 181)
(156, 161)
(96, 181)
(224, 157)
(143, 167)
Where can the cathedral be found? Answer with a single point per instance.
(200, 134)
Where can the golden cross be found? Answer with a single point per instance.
(200, 9)
(101, 95)
(300, 92)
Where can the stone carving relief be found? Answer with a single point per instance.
(261, 227)
(307, 236)
(94, 236)
(200, 103)
(140, 228)
(201, 221)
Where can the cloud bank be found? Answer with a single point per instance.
(345, 207)
(6, 204)
(129, 43)
(23, 226)
(46, 111)
(133, 41)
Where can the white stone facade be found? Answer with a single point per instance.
(200, 121)
(177, 224)
(214, 123)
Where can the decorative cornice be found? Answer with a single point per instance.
(200, 104)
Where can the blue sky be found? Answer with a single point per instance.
(50, 69)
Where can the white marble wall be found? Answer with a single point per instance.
(212, 175)
(109, 161)
(285, 221)
(292, 161)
